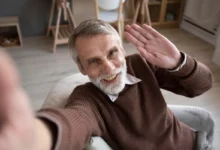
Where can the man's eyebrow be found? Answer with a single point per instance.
(92, 59)
(113, 48)
(98, 58)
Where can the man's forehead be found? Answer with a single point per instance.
(100, 38)
(90, 44)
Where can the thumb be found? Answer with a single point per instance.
(8, 73)
(16, 116)
(14, 103)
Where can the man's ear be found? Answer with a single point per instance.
(123, 51)
(80, 66)
(81, 69)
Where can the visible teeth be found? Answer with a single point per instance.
(110, 77)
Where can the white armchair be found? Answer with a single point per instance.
(58, 96)
(197, 118)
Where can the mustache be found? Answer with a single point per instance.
(116, 71)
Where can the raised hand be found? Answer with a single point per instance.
(153, 46)
(19, 129)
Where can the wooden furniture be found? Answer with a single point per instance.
(157, 13)
(165, 13)
(61, 33)
(111, 11)
(142, 12)
(10, 33)
(137, 11)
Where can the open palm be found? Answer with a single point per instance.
(153, 46)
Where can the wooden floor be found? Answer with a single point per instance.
(40, 69)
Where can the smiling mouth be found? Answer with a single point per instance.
(111, 78)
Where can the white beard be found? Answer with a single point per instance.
(114, 88)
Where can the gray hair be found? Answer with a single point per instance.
(90, 28)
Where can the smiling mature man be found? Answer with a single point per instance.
(123, 103)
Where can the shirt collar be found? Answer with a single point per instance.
(130, 80)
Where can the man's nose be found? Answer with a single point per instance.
(108, 67)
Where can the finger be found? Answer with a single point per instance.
(8, 73)
(142, 31)
(151, 30)
(136, 34)
(15, 112)
(12, 97)
(133, 40)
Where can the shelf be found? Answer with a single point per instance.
(64, 33)
(169, 24)
(154, 2)
(155, 23)
(10, 33)
(173, 1)
(157, 2)
(8, 21)
(165, 13)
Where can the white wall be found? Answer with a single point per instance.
(216, 55)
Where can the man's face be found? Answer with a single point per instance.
(103, 60)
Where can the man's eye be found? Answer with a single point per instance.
(113, 52)
(93, 61)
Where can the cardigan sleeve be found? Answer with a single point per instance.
(193, 79)
(74, 124)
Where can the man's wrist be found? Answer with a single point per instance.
(182, 63)
(43, 135)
